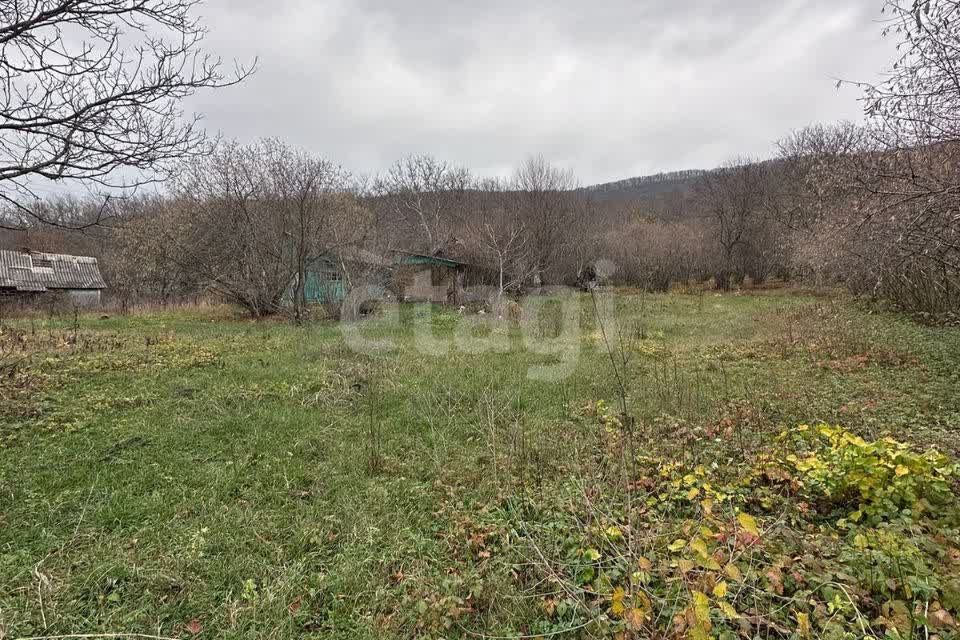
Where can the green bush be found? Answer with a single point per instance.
(877, 480)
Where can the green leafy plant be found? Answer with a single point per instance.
(873, 480)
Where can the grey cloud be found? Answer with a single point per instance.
(610, 89)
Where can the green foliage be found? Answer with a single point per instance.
(604, 414)
(186, 474)
(877, 480)
(710, 551)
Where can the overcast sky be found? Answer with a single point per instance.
(611, 89)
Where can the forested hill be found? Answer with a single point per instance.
(646, 187)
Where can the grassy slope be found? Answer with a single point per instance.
(182, 467)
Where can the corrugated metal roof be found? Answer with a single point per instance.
(36, 271)
(405, 257)
(16, 271)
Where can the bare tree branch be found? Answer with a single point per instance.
(91, 92)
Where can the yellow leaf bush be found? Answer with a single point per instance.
(873, 480)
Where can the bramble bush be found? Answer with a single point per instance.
(823, 535)
(873, 481)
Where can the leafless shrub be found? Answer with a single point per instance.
(254, 217)
(880, 202)
(142, 264)
(918, 101)
(653, 254)
(737, 199)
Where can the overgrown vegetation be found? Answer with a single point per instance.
(871, 206)
(174, 476)
(707, 454)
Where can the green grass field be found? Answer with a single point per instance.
(189, 473)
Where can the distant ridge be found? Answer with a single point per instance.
(644, 187)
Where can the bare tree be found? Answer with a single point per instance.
(318, 214)
(497, 237)
(919, 101)
(652, 254)
(890, 226)
(735, 198)
(141, 262)
(89, 87)
(425, 197)
(811, 173)
(583, 240)
(255, 217)
(547, 204)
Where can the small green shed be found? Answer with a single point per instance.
(330, 276)
(324, 282)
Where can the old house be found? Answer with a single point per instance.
(412, 277)
(436, 278)
(330, 276)
(28, 275)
